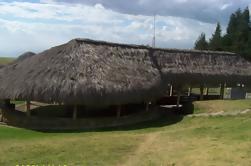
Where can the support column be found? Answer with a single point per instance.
(5, 104)
(118, 111)
(189, 91)
(75, 112)
(171, 90)
(207, 91)
(222, 89)
(1, 116)
(201, 92)
(147, 106)
(28, 108)
(178, 99)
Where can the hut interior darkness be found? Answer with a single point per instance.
(91, 74)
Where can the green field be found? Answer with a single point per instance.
(222, 140)
(5, 60)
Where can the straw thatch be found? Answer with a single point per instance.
(99, 73)
(24, 56)
(84, 72)
(20, 58)
(191, 67)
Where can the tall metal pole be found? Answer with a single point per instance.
(154, 30)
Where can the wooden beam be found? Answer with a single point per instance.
(201, 92)
(28, 108)
(75, 112)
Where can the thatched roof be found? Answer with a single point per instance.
(19, 58)
(86, 72)
(190, 67)
(100, 73)
(24, 56)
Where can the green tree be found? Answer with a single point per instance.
(238, 37)
(245, 30)
(232, 25)
(215, 43)
(233, 31)
(201, 43)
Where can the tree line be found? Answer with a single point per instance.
(237, 38)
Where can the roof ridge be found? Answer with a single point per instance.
(87, 40)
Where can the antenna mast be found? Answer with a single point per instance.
(154, 30)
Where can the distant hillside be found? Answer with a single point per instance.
(6, 60)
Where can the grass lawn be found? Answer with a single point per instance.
(219, 105)
(223, 140)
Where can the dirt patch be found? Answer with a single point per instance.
(144, 146)
(221, 113)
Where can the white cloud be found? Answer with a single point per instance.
(225, 6)
(38, 26)
(203, 10)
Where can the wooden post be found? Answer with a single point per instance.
(5, 104)
(207, 91)
(189, 91)
(1, 116)
(28, 108)
(201, 92)
(118, 111)
(178, 99)
(222, 87)
(75, 112)
(171, 90)
(147, 106)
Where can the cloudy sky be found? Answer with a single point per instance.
(36, 25)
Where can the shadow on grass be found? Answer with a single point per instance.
(169, 117)
(161, 122)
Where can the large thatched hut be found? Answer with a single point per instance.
(84, 72)
(100, 74)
